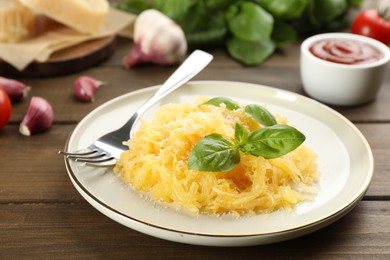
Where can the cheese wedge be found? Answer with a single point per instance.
(85, 16)
(17, 22)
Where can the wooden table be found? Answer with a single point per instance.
(43, 216)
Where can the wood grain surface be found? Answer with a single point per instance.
(42, 216)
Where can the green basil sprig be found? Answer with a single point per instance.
(217, 153)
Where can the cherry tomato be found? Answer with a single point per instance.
(5, 108)
(373, 24)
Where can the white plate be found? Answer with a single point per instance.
(345, 164)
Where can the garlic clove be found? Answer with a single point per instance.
(16, 90)
(85, 87)
(157, 39)
(38, 118)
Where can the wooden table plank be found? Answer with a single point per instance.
(32, 172)
(378, 136)
(77, 230)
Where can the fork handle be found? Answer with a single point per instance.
(195, 63)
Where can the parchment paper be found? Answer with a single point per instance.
(55, 37)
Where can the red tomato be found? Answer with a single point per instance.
(372, 24)
(5, 108)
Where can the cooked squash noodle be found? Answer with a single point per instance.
(156, 163)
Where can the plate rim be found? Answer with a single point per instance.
(326, 220)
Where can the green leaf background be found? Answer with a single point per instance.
(251, 30)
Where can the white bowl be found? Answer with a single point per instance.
(342, 84)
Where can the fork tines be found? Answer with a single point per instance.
(92, 157)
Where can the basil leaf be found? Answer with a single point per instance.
(209, 37)
(250, 53)
(326, 11)
(284, 9)
(240, 134)
(274, 141)
(175, 9)
(214, 153)
(219, 4)
(319, 12)
(249, 22)
(193, 23)
(230, 104)
(323, 16)
(283, 34)
(261, 115)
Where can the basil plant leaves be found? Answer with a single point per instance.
(217, 153)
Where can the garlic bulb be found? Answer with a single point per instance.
(157, 39)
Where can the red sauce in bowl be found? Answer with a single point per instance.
(345, 51)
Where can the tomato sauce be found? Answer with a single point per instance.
(345, 51)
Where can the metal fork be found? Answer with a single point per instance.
(107, 149)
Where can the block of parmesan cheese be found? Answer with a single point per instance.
(17, 22)
(86, 16)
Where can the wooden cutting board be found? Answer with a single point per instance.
(66, 61)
